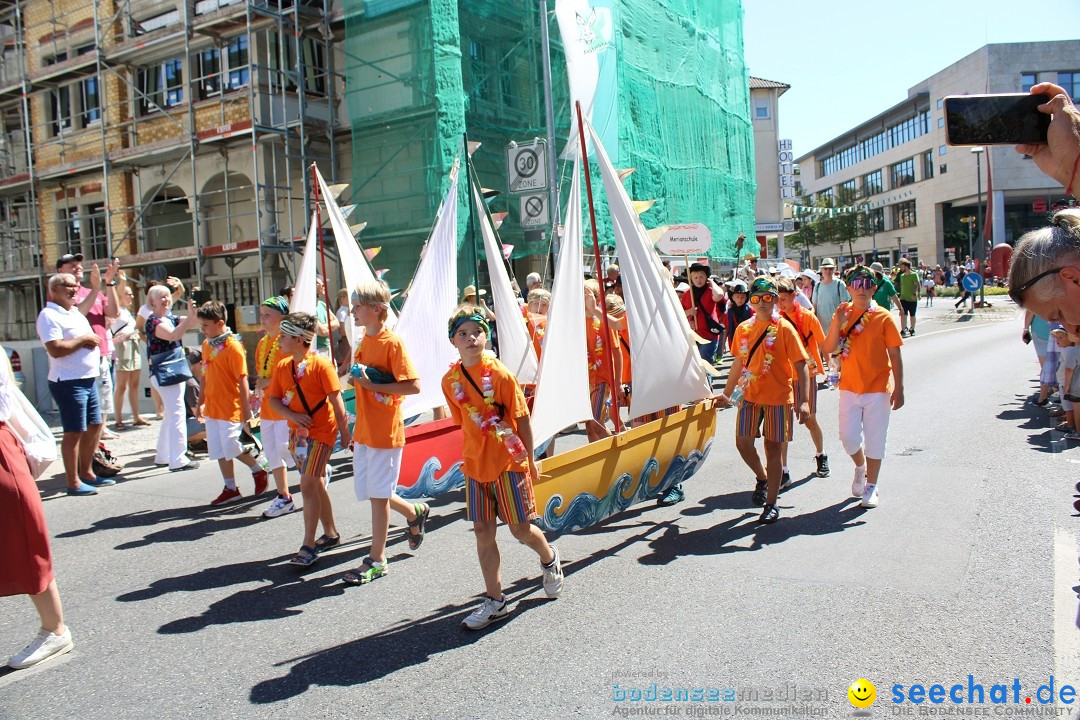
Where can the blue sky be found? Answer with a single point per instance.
(847, 61)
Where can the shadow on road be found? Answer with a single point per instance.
(1028, 416)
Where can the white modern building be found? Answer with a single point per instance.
(913, 189)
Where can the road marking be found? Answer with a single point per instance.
(1066, 607)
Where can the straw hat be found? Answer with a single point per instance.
(828, 263)
(470, 291)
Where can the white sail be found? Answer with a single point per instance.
(354, 264)
(515, 346)
(431, 300)
(303, 297)
(667, 366)
(562, 384)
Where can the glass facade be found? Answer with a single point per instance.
(893, 136)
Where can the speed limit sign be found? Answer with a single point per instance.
(526, 166)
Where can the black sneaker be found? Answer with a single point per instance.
(769, 514)
(785, 481)
(672, 496)
(758, 498)
(822, 465)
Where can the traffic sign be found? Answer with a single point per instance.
(972, 282)
(526, 166)
(534, 211)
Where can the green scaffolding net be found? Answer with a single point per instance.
(421, 73)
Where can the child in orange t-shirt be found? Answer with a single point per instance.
(767, 355)
(225, 400)
(597, 343)
(379, 433)
(811, 335)
(486, 401)
(302, 390)
(273, 428)
(539, 303)
(865, 339)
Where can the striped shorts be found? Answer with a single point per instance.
(598, 394)
(510, 497)
(777, 421)
(318, 455)
(813, 393)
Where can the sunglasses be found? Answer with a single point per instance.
(762, 298)
(862, 283)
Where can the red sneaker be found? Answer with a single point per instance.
(226, 496)
(262, 480)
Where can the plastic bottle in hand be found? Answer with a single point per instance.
(513, 443)
(833, 378)
(300, 449)
(357, 370)
(737, 395)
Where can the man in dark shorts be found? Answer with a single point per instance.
(910, 289)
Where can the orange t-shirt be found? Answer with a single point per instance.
(537, 329)
(867, 368)
(624, 346)
(378, 416)
(319, 380)
(222, 369)
(267, 356)
(594, 330)
(774, 387)
(811, 334)
(486, 456)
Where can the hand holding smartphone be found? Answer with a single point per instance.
(1009, 119)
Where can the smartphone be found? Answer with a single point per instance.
(1012, 119)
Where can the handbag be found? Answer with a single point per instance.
(37, 439)
(170, 367)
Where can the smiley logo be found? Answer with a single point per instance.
(862, 693)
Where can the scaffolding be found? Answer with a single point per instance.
(176, 136)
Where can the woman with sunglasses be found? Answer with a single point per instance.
(768, 354)
(863, 336)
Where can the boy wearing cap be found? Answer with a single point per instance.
(910, 288)
(738, 307)
(885, 292)
(768, 354)
(864, 338)
(700, 302)
(486, 401)
(273, 428)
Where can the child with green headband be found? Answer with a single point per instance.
(273, 428)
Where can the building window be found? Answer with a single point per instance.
(96, 231)
(209, 80)
(848, 190)
(939, 102)
(69, 232)
(942, 149)
(872, 183)
(1027, 80)
(1070, 81)
(903, 173)
(903, 215)
(161, 86)
(893, 136)
(928, 165)
(237, 56)
(59, 110)
(90, 101)
(313, 52)
(761, 108)
(941, 122)
(875, 220)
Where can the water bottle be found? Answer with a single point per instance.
(300, 449)
(513, 443)
(357, 370)
(737, 395)
(833, 378)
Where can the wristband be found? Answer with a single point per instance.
(1072, 178)
(111, 284)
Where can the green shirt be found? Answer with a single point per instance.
(883, 295)
(909, 286)
(322, 343)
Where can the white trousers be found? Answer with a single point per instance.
(105, 388)
(172, 439)
(864, 422)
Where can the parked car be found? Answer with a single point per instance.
(16, 365)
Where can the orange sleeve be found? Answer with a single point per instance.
(401, 366)
(892, 336)
(238, 362)
(510, 395)
(328, 379)
(793, 348)
(451, 402)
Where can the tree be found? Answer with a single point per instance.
(838, 227)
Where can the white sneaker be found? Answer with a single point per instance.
(553, 576)
(488, 612)
(279, 506)
(869, 496)
(46, 645)
(859, 483)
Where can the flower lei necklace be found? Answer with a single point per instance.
(263, 359)
(845, 345)
(489, 419)
(597, 352)
(748, 377)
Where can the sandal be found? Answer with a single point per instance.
(1064, 427)
(367, 572)
(422, 510)
(140, 422)
(307, 555)
(119, 425)
(325, 542)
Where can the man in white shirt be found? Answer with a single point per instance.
(74, 366)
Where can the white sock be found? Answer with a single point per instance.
(785, 468)
(230, 483)
(861, 467)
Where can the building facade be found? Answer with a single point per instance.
(912, 193)
(773, 165)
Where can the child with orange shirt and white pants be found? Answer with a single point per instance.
(225, 400)
(864, 337)
(379, 432)
(486, 401)
(303, 388)
(768, 355)
(273, 428)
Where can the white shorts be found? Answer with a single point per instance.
(223, 439)
(275, 440)
(375, 471)
(864, 423)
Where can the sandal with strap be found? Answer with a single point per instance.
(422, 510)
(325, 542)
(367, 572)
(305, 556)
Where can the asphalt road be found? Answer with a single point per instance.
(968, 567)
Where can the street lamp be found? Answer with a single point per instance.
(978, 151)
(970, 222)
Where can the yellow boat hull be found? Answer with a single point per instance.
(581, 487)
